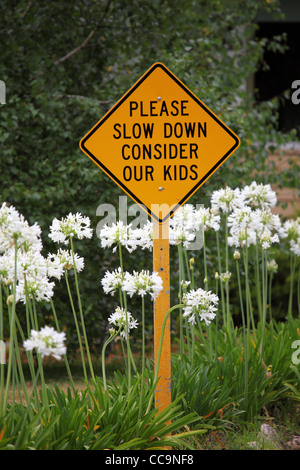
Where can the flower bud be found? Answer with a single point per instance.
(10, 299)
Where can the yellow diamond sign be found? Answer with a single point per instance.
(159, 143)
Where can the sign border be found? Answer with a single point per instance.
(119, 103)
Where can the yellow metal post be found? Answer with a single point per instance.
(161, 264)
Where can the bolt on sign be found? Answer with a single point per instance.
(160, 143)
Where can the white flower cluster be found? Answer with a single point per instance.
(248, 210)
(34, 271)
(225, 200)
(291, 231)
(17, 236)
(200, 303)
(140, 283)
(74, 225)
(47, 342)
(118, 234)
(250, 217)
(122, 320)
(61, 261)
(183, 226)
(15, 229)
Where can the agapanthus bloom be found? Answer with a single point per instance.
(47, 342)
(123, 320)
(118, 234)
(295, 246)
(58, 262)
(290, 229)
(112, 281)
(207, 218)
(272, 266)
(74, 225)
(259, 195)
(264, 219)
(143, 283)
(200, 303)
(31, 263)
(225, 277)
(182, 226)
(184, 216)
(266, 239)
(15, 229)
(226, 199)
(180, 234)
(240, 223)
(143, 237)
(37, 288)
(7, 267)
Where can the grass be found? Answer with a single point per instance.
(284, 418)
(233, 430)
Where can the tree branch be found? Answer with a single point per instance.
(84, 43)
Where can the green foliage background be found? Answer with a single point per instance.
(66, 63)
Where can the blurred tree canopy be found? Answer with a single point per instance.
(66, 63)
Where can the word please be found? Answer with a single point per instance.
(158, 108)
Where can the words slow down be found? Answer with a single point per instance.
(141, 149)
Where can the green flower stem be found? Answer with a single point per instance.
(248, 291)
(270, 296)
(257, 279)
(39, 358)
(77, 326)
(81, 312)
(129, 356)
(292, 271)
(228, 315)
(1, 362)
(298, 291)
(248, 305)
(65, 356)
(29, 311)
(12, 332)
(18, 360)
(186, 263)
(246, 379)
(181, 278)
(109, 340)
(217, 320)
(143, 358)
(29, 317)
(204, 260)
(264, 298)
(220, 271)
(226, 242)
